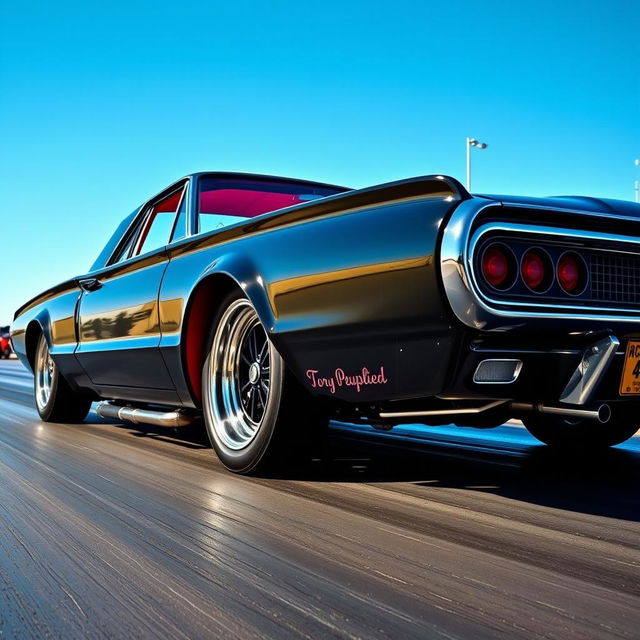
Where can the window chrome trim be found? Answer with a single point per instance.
(116, 256)
(149, 219)
(183, 200)
(474, 309)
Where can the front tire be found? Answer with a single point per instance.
(257, 415)
(580, 434)
(55, 400)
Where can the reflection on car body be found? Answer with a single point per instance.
(270, 305)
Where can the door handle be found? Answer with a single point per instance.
(90, 284)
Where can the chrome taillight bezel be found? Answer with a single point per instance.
(585, 272)
(550, 270)
(512, 266)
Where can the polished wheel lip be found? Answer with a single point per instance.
(239, 377)
(44, 375)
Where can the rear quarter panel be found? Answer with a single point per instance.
(339, 294)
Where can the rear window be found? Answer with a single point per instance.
(224, 202)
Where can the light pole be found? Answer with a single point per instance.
(636, 183)
(472, 142)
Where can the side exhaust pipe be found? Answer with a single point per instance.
(443, 412)
(602, 413)
(176, 418)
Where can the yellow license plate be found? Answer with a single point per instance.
(630, 383)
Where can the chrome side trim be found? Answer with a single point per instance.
(473, 309)
(564, 352)
(593, 365)
(465, 303)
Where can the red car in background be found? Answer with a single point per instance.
(5, 344)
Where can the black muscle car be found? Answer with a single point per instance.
(270, 306)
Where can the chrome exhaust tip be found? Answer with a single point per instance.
(602, 413)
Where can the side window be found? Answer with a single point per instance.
(158, 224)
(180, 227)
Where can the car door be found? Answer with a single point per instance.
(118, 319)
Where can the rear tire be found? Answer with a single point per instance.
(258, 417)
(580, 434)
(55, 400)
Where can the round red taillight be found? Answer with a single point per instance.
(536, 270)
(572, 273)
(498, 266)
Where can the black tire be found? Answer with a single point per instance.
(580, 434)
(55, 400)
(254, 431)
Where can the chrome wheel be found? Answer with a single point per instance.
(239, 393)
(44, 376)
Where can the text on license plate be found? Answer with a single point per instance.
(630, 383)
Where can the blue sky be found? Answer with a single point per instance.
(103, 104)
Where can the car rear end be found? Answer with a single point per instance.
(547, 296)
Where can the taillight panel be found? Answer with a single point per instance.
(537, 269)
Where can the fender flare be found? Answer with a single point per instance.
(239, 272)
(40, 323)
(244, 272)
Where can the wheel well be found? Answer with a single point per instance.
(201, 310)
(32, 335)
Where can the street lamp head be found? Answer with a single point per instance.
(637, 162)
(473, 142)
